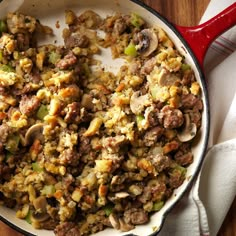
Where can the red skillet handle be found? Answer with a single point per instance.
(200, 37)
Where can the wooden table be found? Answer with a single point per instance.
(187, 13)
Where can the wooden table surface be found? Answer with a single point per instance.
(186, 13)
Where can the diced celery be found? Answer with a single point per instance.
(6, 68)
(42, 112)
(48, 190)
(157, 206)
(108, 209)
(54, 57)
(28, 217)
(130, 50)
(139, 118)
(185, 67)
(3, 26)
(12, 143)
(182, 169)
(36, 167)
(136, 20)
(1, 55)
(8, 155)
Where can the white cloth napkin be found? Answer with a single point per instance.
(204, 207)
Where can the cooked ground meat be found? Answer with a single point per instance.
(135, 216)
(189, 100)
(76, 40)
(68, 61)
(152, 135)
(28, 105)
(5, 130)
(159, 161)
(23, 41)
(172, 118)
(5, 172)
(120, 26)
(67, 229)
(73, 113)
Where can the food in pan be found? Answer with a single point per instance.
(83, 148)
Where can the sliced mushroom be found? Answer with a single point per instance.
(138, 103)
(34, 132)
(87, 101)
(189, 130)
(147, 42)
(124, 227)
(40, 204)
(39, 217)
(114, 220)
(165, 78)
(118, 196)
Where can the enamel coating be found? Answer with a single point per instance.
(200, 37)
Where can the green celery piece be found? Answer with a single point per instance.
(136, 20)
(28, 217)
(54, 57)
(131, 50)
(108, 209)
(36, 167)
(3, 26)
(139, 118)
(157, 206)
(185, 67)
(42, 112)
(6, 68)
(12, 143)
(48, 190)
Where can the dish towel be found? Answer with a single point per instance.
(204, 207)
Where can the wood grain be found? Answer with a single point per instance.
(186, 13)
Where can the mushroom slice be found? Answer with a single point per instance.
(120, 195)
(165, 78)
(148, 42)
(137, 103)
(39, 217)
(189, 130)
(124, 227)
(114, 220)
(34, 132)
(40, 204)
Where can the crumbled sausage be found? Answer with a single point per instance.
(159, 161)
(148, 66)
(28, 105)
(67, 229)
(68, 61)
(5, 172)
(152, 135)
(23, 41)
(72, 112)
(4, 131)
(135, 216)
(77, 40)
(120, 26)
(189, 101)
(171, 118)
(70, 157)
